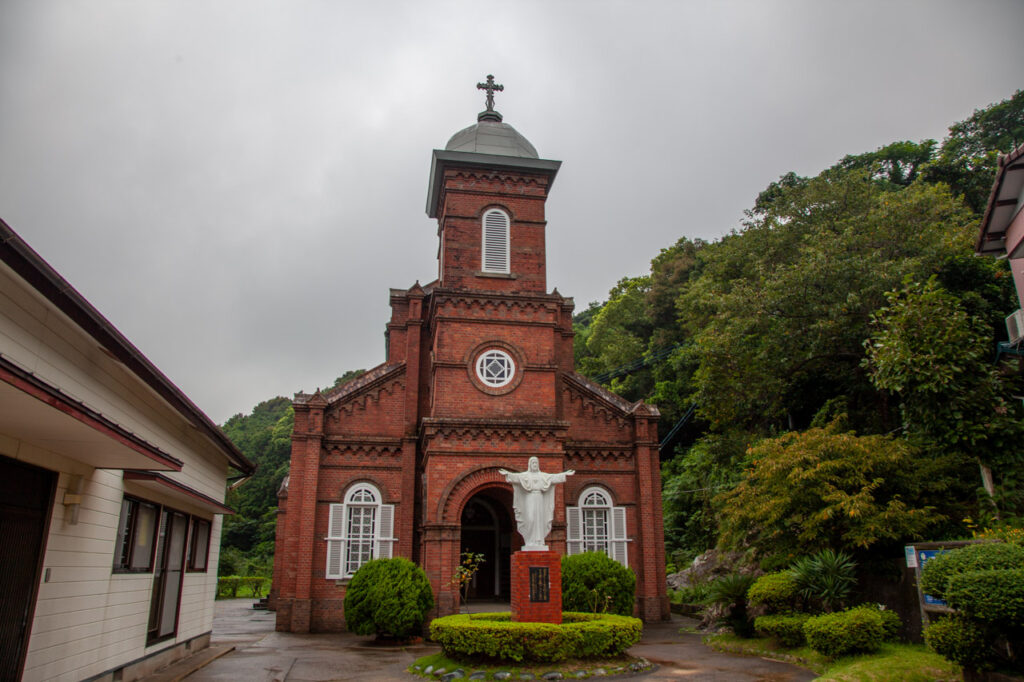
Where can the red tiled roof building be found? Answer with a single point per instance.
(404, 460)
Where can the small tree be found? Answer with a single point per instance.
(388, 597)
(468, 567)
(825, 578)
(730, 592)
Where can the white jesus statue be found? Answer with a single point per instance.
(533, 498)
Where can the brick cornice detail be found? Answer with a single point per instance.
(583, 452)
(510, 429)
(363, 448)
(598, 408)
(519, 178)
(358, 401)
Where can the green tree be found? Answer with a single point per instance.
(780, 311)
(967, 159)
(937, 357)
(826, 489)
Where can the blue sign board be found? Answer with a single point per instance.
(923, 555)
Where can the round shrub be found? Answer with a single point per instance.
(891, 622)
(495, 636)
(388, 597)
(786, 629)
(984, 556)
(960, 640)
(593, 582)
(994, 596)
(845, 632)
(776, 592)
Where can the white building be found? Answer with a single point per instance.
(111, 491)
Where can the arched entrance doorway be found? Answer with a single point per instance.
(486, 528)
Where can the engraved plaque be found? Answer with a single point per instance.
(539, 583)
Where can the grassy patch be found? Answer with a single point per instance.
(892, 663)
(571, 666)
(895, 662)
(805, 657)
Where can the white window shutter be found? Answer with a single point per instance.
(385, 531)
(335, 543)
(336, 521)
(335, 551)
(495, 254)
(619, 552)
(573, 530)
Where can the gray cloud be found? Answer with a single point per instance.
(237, 184)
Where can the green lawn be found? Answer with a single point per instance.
(892, 663)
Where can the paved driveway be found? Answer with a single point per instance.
(263, 655)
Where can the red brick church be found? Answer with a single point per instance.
(478, 376)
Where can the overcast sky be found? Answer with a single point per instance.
(236, 184)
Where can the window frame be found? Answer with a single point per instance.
(191, 557)
(488, 249)
(129, 526)
(616, 542)
(340, 542)
(509, 360)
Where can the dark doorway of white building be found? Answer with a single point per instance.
(26, 496)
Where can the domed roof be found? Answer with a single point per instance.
(490, 136)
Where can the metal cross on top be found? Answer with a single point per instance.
(490, 86)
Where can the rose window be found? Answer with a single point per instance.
(495, 368)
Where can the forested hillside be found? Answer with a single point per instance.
(825, 372)
(830, 363)
(265, 437)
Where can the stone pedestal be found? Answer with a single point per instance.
(537, 587)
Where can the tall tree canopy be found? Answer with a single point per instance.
(819, 308)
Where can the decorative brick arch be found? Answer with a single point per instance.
(386, 496)
(462, 488)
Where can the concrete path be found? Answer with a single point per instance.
(262, 655)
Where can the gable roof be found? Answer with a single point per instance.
(30, 266)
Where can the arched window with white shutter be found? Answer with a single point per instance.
(494, 254)
(596, 525)
(359, 529)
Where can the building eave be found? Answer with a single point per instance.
(1002, 203)
(443, 159)
(31, 267)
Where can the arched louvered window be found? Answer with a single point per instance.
(359, 529)
(597, 526)
(495, 250)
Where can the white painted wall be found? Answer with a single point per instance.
(87, 618)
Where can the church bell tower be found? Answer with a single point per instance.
(487, 190)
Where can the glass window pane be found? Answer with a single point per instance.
(143, 536)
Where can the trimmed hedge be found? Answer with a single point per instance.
(994, 596)
(776, 592)
(937, 572)
(786, 629)
(845, 632)
(388, 597)
(495, 636)
(228, 586)
(593, 582)
(960, 640)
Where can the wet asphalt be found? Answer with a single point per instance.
(262, 655)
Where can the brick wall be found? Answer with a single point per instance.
(431, 436)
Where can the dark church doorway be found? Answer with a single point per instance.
(487, 528)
